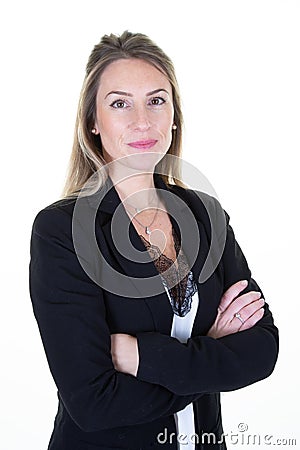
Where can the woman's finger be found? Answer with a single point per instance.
(252, 320)
(241, 302)
(249, 310)
(240, 317)
(231, 293)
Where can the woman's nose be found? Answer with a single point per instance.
(141, 120)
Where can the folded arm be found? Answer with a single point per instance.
(70, 312)
(207, 364)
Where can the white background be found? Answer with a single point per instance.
(238, 67)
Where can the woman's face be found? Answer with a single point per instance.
(134, 112)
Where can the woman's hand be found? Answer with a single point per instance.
(248, 307)
(125, 353)
(237, 313)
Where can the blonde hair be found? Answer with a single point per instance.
(86, 158)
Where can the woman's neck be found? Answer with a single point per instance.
(136, 189)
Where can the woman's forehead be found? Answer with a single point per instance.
(132, 75)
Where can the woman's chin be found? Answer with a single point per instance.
(140, 161)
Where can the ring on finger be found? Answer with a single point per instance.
(238, 316)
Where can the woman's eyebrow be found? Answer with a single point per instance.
(157, 90)
(127, 94)
(119, 93)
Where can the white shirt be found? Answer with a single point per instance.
(184, 419)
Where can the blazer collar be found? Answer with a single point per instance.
(185, 214)
(187, 223)
(110, 199)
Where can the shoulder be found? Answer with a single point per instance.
(206, 207)
(53, 217)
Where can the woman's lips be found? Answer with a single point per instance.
(143, 144)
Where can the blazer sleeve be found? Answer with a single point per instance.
(204, 364)
(70, 312)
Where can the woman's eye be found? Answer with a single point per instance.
(157, 101)
(119, 104)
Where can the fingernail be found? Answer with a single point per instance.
(244, 282)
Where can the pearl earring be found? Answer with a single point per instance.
(174, 127)
(94, 130)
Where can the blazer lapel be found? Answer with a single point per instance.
(143, 276)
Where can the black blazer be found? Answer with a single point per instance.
(100, 408)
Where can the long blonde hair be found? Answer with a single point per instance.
(87, 157)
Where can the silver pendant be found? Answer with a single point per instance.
(147, 230)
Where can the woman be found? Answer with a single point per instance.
(139, 345)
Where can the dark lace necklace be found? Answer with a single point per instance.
(180, 287)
